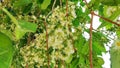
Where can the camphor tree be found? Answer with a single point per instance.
(50, 33)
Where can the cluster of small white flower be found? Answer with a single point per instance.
(59, 39)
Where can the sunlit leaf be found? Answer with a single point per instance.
(6, 51)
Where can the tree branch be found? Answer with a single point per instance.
(107, 19)
(90, 40)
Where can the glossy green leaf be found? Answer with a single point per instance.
(6, 51)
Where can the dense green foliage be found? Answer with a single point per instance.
(40, 33)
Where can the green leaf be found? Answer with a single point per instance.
(45, 4)
(68, 60)
(27, 26)
(11, 16)
(115, 58)
(118, 32)
(21, 3)
(24, 28)
(74, 63)
(75, 22)
(8, 33)
(98, 43)
(19, 33)
(6, 51)
(21, 26)
(82, 60)
(110, 2)
(115, 14)
(105, 24)
(79, 11)
(98, 48)
(94, 4)
(82, 3)
(100, 61)
(79, 43)
(85, 48)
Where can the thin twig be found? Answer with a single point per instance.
(72, 39)
(53, 5)
(48, 15)
(107, 19)
(61, 3)
(45, 24)
(86, 2)
(28, 39)
(56, 64)
(66, 8)
(90, 41)
(26, 65)
(69, 25)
